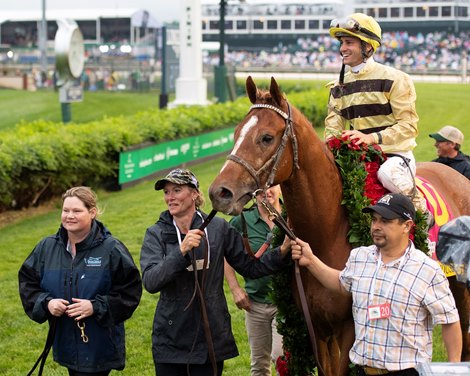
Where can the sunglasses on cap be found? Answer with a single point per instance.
(353, 26)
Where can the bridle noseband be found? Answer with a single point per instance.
(272, 162)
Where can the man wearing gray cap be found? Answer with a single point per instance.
(398, 294)
(449, 140)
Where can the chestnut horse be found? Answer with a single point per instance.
(276, 144)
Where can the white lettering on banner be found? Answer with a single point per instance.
(216, 143)
(159, 157)
(206, 145)
(196, 148)
(171, 152)
(185, 147)
(145, 163)
(129, 166)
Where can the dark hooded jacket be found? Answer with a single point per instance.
(103, 272)
(176, 329)
(460, 163)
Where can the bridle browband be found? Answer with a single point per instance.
(272, 162)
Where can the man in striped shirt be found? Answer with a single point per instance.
(375, 104)
(398, 294)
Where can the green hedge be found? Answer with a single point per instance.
(42, 159)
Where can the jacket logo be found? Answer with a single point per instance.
(93, 261)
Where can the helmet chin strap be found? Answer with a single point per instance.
(341, 74)
(365, 55)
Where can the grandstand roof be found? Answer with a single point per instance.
(136, 15)
(271, 2)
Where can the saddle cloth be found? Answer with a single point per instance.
(439, 207)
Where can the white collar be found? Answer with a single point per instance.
(358, 68)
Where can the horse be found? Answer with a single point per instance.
(276, 144)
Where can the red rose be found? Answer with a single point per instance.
(334, 143)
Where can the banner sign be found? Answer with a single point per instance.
(139, 163)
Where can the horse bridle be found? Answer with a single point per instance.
(276, 157)
(275, 216)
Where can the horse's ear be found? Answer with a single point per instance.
(275, 92)
(251, 89)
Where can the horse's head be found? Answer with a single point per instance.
(264, 153)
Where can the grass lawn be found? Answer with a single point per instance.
(128, 213)
(18, 106)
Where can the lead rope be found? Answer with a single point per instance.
(47, 347)
(200, 292)
(280, 221)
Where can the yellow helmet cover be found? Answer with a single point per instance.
(358, 25)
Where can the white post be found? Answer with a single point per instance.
(191, 87)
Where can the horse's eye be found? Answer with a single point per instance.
(266, 138)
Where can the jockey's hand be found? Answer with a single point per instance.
(359, 137)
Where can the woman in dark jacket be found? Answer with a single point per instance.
(179, 338)
(84, 281)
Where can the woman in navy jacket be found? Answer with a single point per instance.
(86, 281)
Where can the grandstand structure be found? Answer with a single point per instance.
(264, 23)
(109, 29)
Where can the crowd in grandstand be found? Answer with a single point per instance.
(437, 51)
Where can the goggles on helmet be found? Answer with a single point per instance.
(354, 27)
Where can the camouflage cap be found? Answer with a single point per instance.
(178, 176)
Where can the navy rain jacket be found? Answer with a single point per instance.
(102, 271)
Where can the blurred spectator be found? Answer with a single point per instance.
(448, 141)
(422, 52)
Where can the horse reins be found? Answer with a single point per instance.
(246, 243)
(273, 163)
(199, 291)
(281, 223)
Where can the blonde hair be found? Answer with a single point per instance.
(85, 195)
(199, 201)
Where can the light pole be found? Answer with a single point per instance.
(220, 71)
(163, 91)
(43, 43)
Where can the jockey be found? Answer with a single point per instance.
(375, 104)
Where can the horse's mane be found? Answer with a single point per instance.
(264, 96)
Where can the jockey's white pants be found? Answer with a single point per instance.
(397, 174)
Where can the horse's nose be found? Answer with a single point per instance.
(221, 193)
(221, 198)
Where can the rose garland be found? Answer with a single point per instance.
(358, 165)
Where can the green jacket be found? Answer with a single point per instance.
(257, 289)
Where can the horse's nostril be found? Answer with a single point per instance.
(225, 194)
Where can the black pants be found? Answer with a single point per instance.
(169, 369)
(77, 373)
(405, 372)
